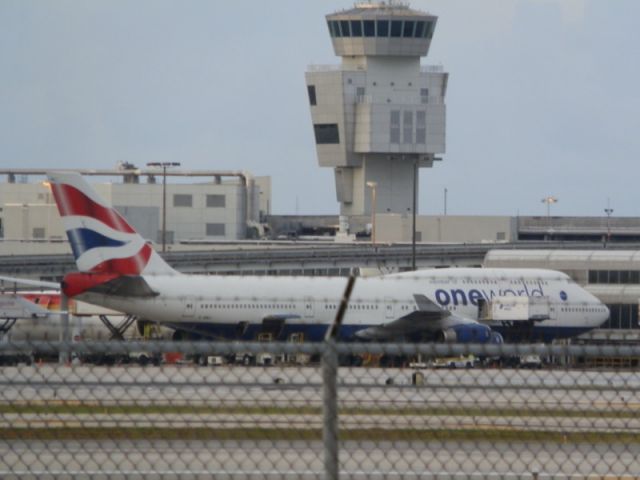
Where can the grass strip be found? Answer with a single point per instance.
(133, 409)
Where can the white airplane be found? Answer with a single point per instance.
(120, 271)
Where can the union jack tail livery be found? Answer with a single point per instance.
(101, 239)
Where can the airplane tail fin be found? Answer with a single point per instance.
(101, 239)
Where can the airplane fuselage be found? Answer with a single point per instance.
(235, 307)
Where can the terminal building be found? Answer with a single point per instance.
(379, 116)
(217, 206)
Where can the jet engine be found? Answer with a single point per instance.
(469, 333)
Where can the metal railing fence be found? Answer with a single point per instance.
(324, 410)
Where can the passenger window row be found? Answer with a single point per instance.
(381, 28)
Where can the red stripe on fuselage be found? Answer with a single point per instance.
(72, 201)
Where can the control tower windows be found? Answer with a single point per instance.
(326, 133)
(369, 28)
(334, 29)
(396, 28)
(311, 89)
(394, 127)
(407, 32)
(419, 33)
(383, 28)
(421, 127)
(344, 28)
(356, 28)
(428, 33)
(407, 127)
(424, 95)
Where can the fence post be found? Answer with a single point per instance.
(65, 333)
(330, 410)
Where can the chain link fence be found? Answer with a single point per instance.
(307, 411)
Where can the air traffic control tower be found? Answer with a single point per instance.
(380, 112)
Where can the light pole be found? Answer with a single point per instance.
(164, 166)
(608, 211)
(413, 215)
(549, 200)
(445, 201)
(372, 186)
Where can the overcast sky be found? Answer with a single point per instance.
(543, 98)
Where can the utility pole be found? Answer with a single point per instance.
(372, 186)
(164, 166)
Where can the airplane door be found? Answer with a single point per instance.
(189, 309)
(309, 311)
(389, 308)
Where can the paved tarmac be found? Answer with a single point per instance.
(567, 409)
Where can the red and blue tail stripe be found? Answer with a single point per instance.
(101, 239)
(72, 201)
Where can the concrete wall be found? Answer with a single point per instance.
(449, 228)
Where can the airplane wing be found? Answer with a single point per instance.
(426, 317)
(14, 306)
(30, 283)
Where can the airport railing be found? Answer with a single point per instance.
(331, 410)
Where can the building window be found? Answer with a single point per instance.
(421, 127)
(360, 91)
(614, 276)
(428, 32)
(326, 133)
(383, 28)
(396, 28)
(169, 236)
(335, 28)
(369, 28)
(215, 230)
(182, 200)
(216, 201)
(407, 32)
(394, 127)
(311, 90)
(356, 28)
(344, 27)
(38, 232)
(419, 30)
(407, 127)
(424, 95)
(622, 316)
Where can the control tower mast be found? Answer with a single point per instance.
(379, 112)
